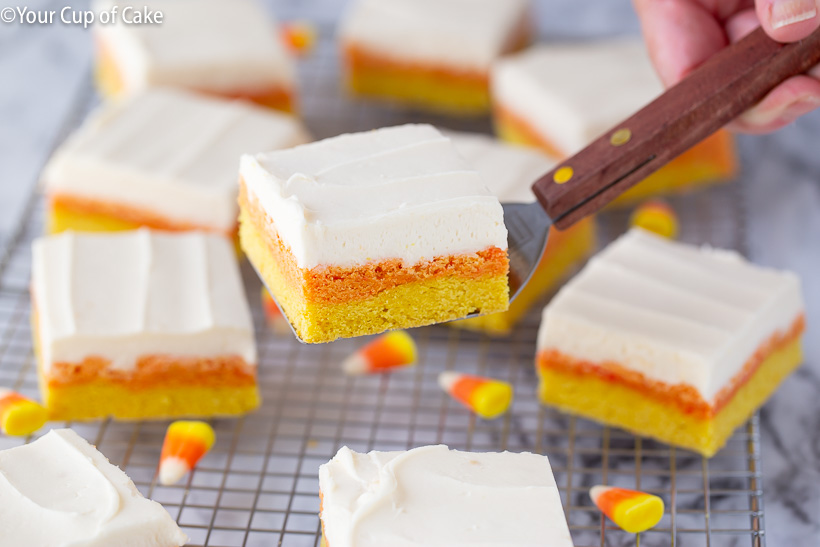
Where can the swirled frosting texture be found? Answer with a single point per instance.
(676, 313)
(124, 295)
(170, 152)
(433, 496)
(60, 491)
(400, 192)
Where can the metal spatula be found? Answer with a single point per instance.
(706, 100)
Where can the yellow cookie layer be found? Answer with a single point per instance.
(410, 305)
(427, 87)
(710, 162)
(107, 76)
(60, 219)
(420, 89)
(576, 244)
(617, 405)
(102, 399)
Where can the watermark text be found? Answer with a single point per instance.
(128, 15)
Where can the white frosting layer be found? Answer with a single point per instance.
(464, 34)
(508, 171)
(400, 192)
(170, 152)
(433, 496)
(61, 492)
(128, 294)
(673, 312)
(208, 45)
(573, 93)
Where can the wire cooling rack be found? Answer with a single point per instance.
(259, 485)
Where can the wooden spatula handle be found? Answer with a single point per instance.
(703, 102)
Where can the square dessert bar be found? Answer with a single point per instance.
(509, 171)
(373, 231)
(164, 159)
(668, 340)
(231, 49)
(141, 324)
(432, 54)
(435, 496)
(562, 97)
(60, 491)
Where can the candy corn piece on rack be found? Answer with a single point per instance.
(657, 217)
(20, 416)
(186, 442)
(388, 352)
(631, 510)
(299, 36)
(486, 397)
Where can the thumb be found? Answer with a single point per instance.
(788, 20)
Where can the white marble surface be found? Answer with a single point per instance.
(42, 67)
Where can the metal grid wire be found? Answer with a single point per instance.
(259, 485)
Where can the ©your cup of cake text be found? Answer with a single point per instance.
(129, 15)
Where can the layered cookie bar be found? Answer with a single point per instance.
(141, 324)
(60, 491)
(562, 97)
(509, 172)
(435, 496)
(430, 54)
(373, 231)
(164, 158)
(230, 49)
(668, 340)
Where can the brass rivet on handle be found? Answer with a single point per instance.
(563, 175)
(620, 137)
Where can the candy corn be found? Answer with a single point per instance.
(656, 216)
(299, 36)
(631, 510)
(276, 321)
(20, 416)
(486, 397)
(184, 445)
(389, 351)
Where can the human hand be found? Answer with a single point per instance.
(682, 34)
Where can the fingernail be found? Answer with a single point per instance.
(799, 108)
(783, 13)
(777, 117)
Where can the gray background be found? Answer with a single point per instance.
(41, 68)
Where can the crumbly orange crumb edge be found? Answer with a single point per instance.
(338, 284)
(683, 396)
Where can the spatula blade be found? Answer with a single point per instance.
(528, 227)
